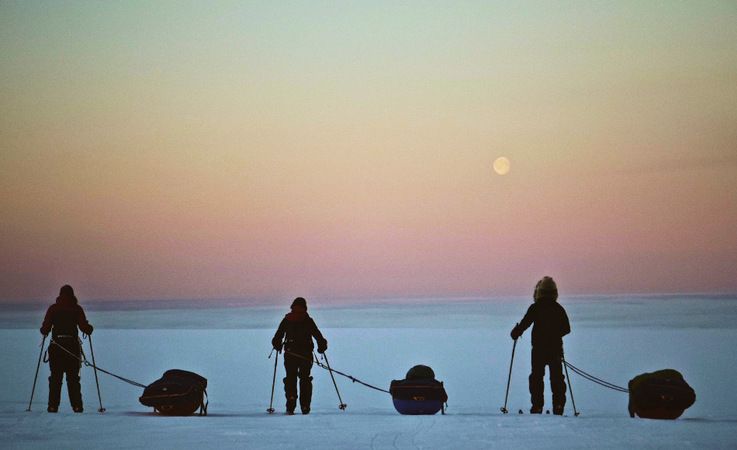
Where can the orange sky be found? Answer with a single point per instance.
(266, 151)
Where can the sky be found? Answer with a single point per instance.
(153, 150)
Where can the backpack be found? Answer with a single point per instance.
(177, 393)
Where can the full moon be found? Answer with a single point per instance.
(501, 165)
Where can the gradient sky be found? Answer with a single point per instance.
(344, 149)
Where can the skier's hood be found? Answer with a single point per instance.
(298, 314)
(66, 300)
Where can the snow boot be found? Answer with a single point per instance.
(536, 410)
(291, 404)
(558, 410)
(52, 409)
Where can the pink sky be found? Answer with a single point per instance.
(274, 151)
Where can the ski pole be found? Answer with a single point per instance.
(273, 382)
(568, 378)
(97, 382)
(342, 405)
(509, 379)
(35, 377)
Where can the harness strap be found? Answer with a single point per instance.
(83, 360)
(594, 379)
(323, 366)
(203, 403)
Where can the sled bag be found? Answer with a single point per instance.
(660, 395)
(418, 396)
(177, 393)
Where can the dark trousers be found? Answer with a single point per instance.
(61, 363)
(298, 368)
(542, 357)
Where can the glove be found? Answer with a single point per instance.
(277, 344)
(87, 330)
(516, 333)
(322, 346)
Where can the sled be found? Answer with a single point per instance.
(419, 393)
(663, 394)
(177, 393)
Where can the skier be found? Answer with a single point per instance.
(62, 320)
(296, 331)
(550, 325)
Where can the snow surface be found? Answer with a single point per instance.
(465, 342)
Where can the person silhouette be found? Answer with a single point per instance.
(550, 325)
(295, 332)
(62, 319)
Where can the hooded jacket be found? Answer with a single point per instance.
(550, 323)
(297, 330)
(64, 316)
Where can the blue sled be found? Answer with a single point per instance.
(418, 396)
(416, 407)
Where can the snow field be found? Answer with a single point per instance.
(472, 362)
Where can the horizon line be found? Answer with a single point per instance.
(319, 300)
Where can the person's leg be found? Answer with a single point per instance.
(557, 382)
(305, 386)
(55, 379)
(74, 389)
(537, 385)
(291, 365)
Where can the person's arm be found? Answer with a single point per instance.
(46, 325)
(277, 340)
(524, 324)
(322, 343)
(82, 322)
(528, 319)
(565, 324)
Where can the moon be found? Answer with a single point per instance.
(501, 165)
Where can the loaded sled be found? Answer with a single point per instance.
(663, 394)
(177, 393)
(419, 392)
